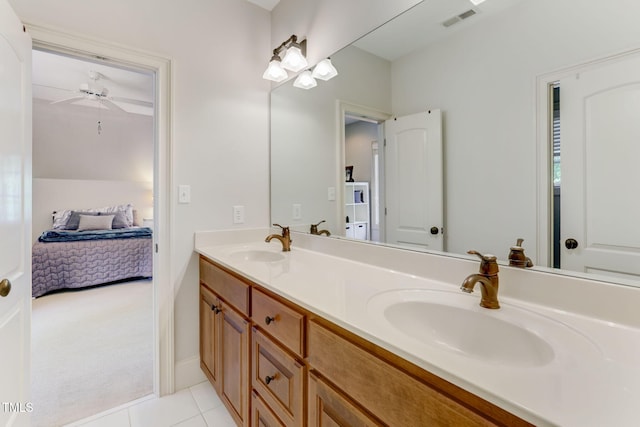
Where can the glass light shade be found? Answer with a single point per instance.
(305, 81)
(294, 60)
(324, 70)
(275, 72)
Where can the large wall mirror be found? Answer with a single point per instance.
(500, 77)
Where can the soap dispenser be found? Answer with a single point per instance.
(517, 258)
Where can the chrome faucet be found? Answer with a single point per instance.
(488, 279)
(285, 238)
(314, 229)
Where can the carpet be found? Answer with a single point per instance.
(91, 351)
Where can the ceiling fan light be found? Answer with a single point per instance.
(274, 71)
(305, 81)
(324, 70)
(294, 60)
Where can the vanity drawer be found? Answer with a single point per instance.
(279, 379)
(261, 415)
(279, 320)
(390, 394)
(229, 287)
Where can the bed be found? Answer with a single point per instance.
(89, 248)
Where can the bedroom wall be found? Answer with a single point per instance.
(66, 144)
(211, 106)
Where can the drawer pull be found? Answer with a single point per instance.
(215, 309)
(268, 320)
(268, 379)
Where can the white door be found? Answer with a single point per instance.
(413, 170)
(15, 219)
(600, 176)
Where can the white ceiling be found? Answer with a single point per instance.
(422, 25)
(57, 78)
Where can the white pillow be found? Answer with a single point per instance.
(95, 222)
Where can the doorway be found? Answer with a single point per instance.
(93, 149)
(590, 128)
(163, 297)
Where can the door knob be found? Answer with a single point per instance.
(434, 230)
(571, 243)
(5, 287)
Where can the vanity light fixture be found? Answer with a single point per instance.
(324, 70)
(293, 60)
(305, 80)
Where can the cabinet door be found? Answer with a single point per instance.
(210, 336)
(328, 408)
(234, 363)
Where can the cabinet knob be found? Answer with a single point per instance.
(268, 379)
(268, 321)
(215, 309)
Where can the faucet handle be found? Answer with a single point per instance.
(285, 230)
(315, 225)
(488, 263)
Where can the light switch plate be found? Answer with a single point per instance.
(238, 214)
(184, 194)
(297, 211)
(331, 193)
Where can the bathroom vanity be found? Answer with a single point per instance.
(340, 333)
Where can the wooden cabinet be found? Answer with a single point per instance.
(209, 335)
(329, 408)
(275, 364)
(225, 338)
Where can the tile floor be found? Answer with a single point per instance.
(198, 406)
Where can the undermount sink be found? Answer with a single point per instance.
(256, 255)
(455, 322)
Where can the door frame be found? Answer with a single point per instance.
(163, 295)
(342, 108)
(544, 141)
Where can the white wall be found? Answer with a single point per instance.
(330, 25)
(483, 79)
(225, 161)
(357, 146)
(66, 144)
(304, 134)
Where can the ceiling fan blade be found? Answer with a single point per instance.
(132, 101)
(68, 100)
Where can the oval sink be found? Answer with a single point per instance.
(455, 322)
(255, 255)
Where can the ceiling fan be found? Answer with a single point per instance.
(93, 92)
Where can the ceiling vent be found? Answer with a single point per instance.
(454, 20)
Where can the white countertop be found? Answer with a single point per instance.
(593, 378)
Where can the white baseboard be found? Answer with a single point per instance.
(188, 373)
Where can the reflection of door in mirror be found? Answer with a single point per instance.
(599, 133)
(414, 187)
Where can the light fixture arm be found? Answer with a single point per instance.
(291, 40)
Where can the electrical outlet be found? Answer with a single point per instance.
(297, 211)
(331, 193)
(238, 214)
(184, 194)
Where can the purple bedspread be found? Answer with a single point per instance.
(65, 265)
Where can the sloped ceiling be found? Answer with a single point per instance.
(265, 4)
